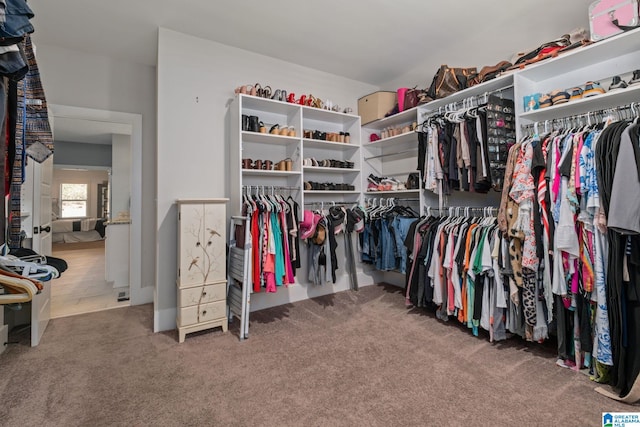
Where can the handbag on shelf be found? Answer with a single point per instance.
(413, 181)
(449, 80)
(489, 72)
(411, 98)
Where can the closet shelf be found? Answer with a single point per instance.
(407, 116)
(399, 152)
(318, 114)
(602, 51)
(329, 192)
(321, 169)
(504, 81)
(267, 138)
(264, 104)
(317, 143)
(259, 172)
(375, 193)
(585, 105)
(395, 140)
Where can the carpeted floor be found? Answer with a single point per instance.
(347, 359)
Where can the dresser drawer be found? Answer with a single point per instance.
(202, 294)
(202, 313)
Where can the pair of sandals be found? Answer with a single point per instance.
(255, 90)
(282, 165)
(328, 163)
(328, 186)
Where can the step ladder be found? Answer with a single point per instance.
(239, 275)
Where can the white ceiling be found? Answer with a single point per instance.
(372, 41)
(87, 131)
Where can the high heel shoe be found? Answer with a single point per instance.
(302, 100)
(291, 98)
(276, 95)
(284, 131)
(262, 128)
(275, 129)
(267, 91)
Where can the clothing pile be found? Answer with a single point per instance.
(22, 272)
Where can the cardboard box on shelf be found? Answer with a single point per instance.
(375, 105)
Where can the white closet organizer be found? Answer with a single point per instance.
(392, 157)
(396, 156)
(254, 145)
(618, 55)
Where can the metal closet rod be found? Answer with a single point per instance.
(269, 187)
(466, 102)
(332, 203)
(392, 154)
(597, 115)
(464, 210)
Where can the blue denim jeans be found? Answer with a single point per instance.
(401, 226)
(388, 250)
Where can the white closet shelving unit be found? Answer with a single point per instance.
(392, 157)
(396, 156)
(254, 145)
(618, 55)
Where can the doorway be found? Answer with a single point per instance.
(93, 283)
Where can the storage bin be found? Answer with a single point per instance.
(375, 105)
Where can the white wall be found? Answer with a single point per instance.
(196, 79)
(120, 175)
(82, 79)
(91, 177)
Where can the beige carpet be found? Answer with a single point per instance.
(348, 359)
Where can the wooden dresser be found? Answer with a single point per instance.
(202, 284)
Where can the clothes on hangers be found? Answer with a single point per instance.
(455, 267)
(570, 208)
(385, 230)
(466, 150)
(275, 252)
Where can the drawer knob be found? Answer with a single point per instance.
(204, 313)
(204, 293)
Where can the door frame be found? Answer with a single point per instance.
(137, 294)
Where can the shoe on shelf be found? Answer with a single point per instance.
(275, 129)
(559, 97)
(372, 187)
(636, 78)
(545, 101)
(374, 179)
(592, 89)
(576, 93)
(617, 83)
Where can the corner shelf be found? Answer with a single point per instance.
(267, 138)
(317, 143)
(584, 105)
(259, 172)
(373, 193)
(329, 192)
(322, 169)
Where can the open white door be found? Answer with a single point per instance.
(41, 243)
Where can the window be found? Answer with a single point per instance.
(73, 200)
